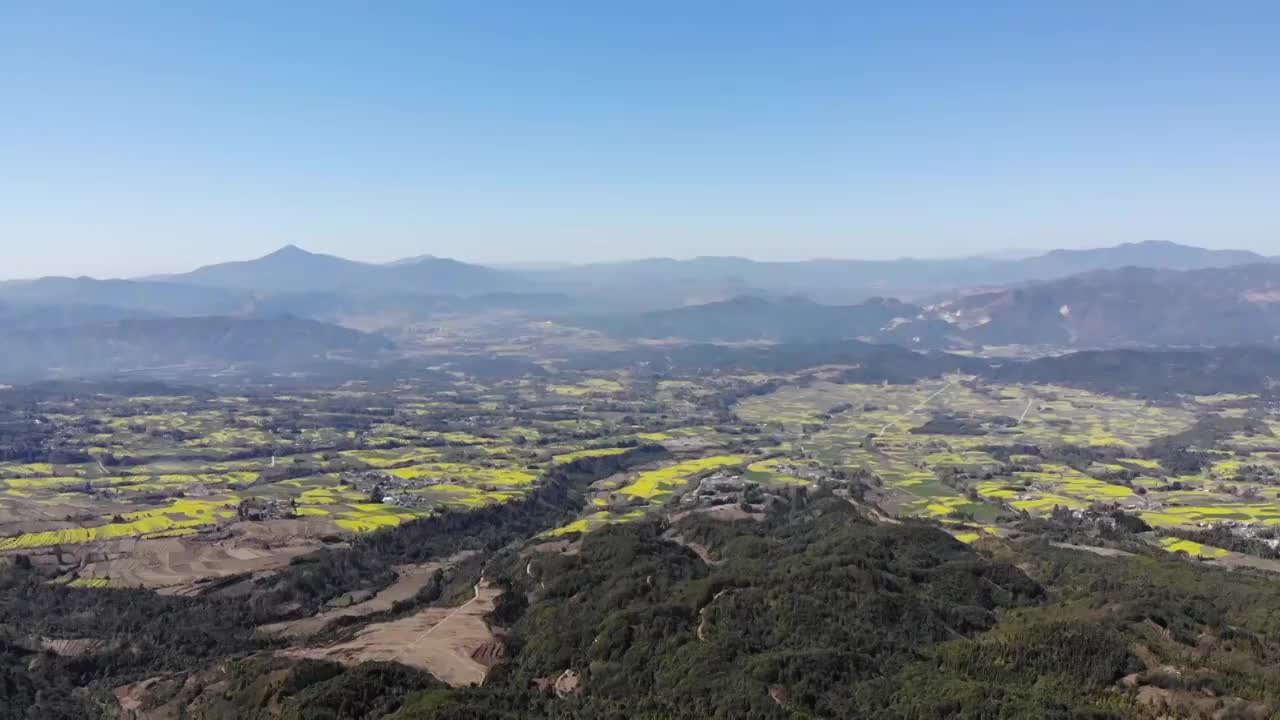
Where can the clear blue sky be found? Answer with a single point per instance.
(139, 137)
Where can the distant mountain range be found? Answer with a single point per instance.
(1111, 308)
(652, 284)
(1138, 294)
(847, 281)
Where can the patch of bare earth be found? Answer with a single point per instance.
(20, 515)
(1238, 560)
(183, 565)
(410, 579)
(722, 513)
(701, 631)
(1203, 704)
(566, 683)
(134, 698)
(182, 696)
(874, 513)
(778, 694)
(73, 647)
(1104, 552)
(456, 645)
(1199, 705)
(553, 547)
(702, 551)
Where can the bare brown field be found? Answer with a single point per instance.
(561, 547)
(411, 579)
(180, 565)
(1239, 560)
(456, 645)
(722, 513)
(1104, 552)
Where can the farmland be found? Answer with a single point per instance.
(311, 467)
(961, 450)
(359, 523)
(276, 473)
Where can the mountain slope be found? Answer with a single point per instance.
(753, 318)
(1152, 373)
(22, 317)
(1151, 254)
(137, 343)
(1130, 306)
(288, 269)
(144, 296)
(292, 269)
(1111, 308)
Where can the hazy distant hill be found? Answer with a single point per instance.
(753, 318)
(43, 317)
(141, 343)
(716, 278)
(1111, 308)
(1158, 255)
(144, 296)
(292, 269)
(705, 298)
(845, 281)
(1218, 306)
(390, 309)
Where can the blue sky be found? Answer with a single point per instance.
(141, 137)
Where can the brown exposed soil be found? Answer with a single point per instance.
(778, 694)
(73, 648)
(456, 645)
(568, 684)
(702, 551)
(411, 579)
(702, 614)
(185, 565)
(722, 513)
(1199, 705)
(1239, 560)
(490, 654)
(559, 547)
(134, 697)
(1105, 552)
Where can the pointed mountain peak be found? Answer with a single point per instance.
(289, 250)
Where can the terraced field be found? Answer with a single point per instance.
(312, 465)
(166, 489)
(911, 437)
(657, 486)
(187, 473)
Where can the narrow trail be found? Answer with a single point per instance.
(1025, 410)
(913, 410)
(423, 635)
